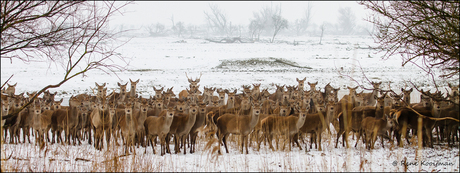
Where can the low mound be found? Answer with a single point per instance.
(258, 62)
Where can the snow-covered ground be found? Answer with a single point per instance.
(164, 61)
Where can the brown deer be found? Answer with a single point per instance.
(285, 126)
(158, 93)
(372, 126)
(235, 124)
(407, 119)
(42, 122)
(182, 122)
(221, 94)
(132, 91)
(369, 98)
(199, 122)
(159, 126)
(316, 123)
(140, 118)
(406, 96)
(101, 121)
(193, 83)
(356, 117)
(11, 89)
(185, 127)
(128, 126)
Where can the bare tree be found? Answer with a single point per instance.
(322, 27)
(419, 30)
(216, 19)
(157, 29)
(347, 20)
(302, 24)
(192, 29)
(73, 34)
(179, 28)
(279, 23)
(256, 26)
(269, 20)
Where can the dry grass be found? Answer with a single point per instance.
(62, 158)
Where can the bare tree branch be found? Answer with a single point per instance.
(87, 44)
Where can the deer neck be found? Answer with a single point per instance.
(254, 119)
(230, 104)
(132, 92)
(300, 122)
(167, 122)
(406, 99)
(191, 120)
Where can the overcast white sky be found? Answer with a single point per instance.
(238, 12)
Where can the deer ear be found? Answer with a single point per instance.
(411, 89)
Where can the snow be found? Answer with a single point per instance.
(164, 62)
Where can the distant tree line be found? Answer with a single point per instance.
(267, 22)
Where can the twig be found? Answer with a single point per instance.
(7, 81)
(9, 157)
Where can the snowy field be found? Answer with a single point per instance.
(163, 62)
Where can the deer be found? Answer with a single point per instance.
(231, 99)
(315, 123)
(158, 93)
(11, 89)
(102, 91)
(369, 98)
(128, 126)
(356, 117)
(372, 126)
(255, 92)
(301, 84)
(193, 83)
(62, 121)
(101, 121)
(75, 102)
(132, 91)
(277, 95)
(23, 121)
(406, 96)
(49, 97)
(235, 124)
(454, 89)
(199, 122)
(159, 126)
(186, 126)
(350, 101)
(159, 106)
(140, 118)
(181, 125)
(221, 94)
(282, 126)
(406, 118)
(42, 122)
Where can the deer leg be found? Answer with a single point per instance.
(296, 140)
(167, 149)
(224, 140)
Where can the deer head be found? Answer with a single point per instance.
(301, 82)
(193, 83)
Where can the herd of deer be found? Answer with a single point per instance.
(257, 115)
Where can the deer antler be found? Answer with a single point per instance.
(189, 80)
(198, 80)
(93, 90)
